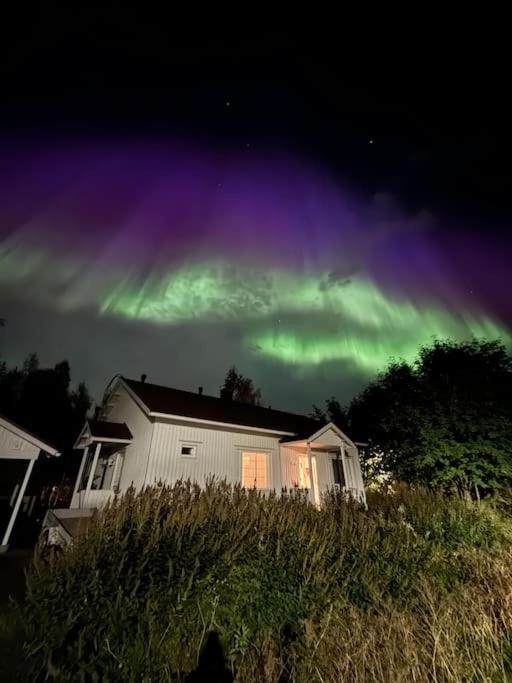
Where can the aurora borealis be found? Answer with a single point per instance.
(309, 281)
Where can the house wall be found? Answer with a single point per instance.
(289, 467)
(353, 468)
(218, 453)
(14, 446)
(123, 408)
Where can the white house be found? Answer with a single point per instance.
(19, 449)
(148, 434)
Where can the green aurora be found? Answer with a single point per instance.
(300, 319)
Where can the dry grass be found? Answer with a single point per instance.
(417, 588)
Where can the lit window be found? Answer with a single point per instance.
(188, 451)
(254, 470)
(339, 475)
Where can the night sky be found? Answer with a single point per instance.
(173, 202)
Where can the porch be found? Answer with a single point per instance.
(321, 462)
(103, 445)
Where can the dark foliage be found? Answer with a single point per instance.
(239, 388)
(40, 400)
(443, 420)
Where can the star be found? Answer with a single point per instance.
(371, 141)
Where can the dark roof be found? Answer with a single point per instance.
(177, 402)
(109, 430)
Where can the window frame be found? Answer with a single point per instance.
(341, 459)
(194, 445)
(265, 451)
(118, 456)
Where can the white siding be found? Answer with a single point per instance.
(324, 468)
(218, 453)
(289, 467)
(329, 438)
(14, 446)
(125, 409)
(354, 465)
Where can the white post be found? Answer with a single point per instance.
(93, 466)
(75, 498)
(14, 514)
(81, 470)
(312, 495)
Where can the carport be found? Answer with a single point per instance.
(19, 449)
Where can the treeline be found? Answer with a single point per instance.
(443, 421)
(42, 401)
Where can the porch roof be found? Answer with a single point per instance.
(315, 438)
(100, 430)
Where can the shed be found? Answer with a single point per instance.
(19, 449)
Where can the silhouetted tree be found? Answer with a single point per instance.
(40, 399)
(236, 387)
(333, 412)
(444, 420)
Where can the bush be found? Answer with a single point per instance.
(415, 588)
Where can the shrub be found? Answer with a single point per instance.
(415, 588)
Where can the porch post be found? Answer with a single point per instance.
(14, 514)
(81, 470)
(93, 466)
(312, 495)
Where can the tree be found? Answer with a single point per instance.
(238, 388)
(333, 412)
(443, 421)
(40, 399)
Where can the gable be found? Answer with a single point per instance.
(330, 438)
(14, 446)
(16, 442)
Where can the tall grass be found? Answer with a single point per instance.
(416, 588)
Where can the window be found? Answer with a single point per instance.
(109, 461)
(188, 450)
(339, 474)
(254, 470)
(102, 479)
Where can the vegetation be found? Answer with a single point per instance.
(239, 388)
(417, 587)
(442, 421)
(40, 399)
